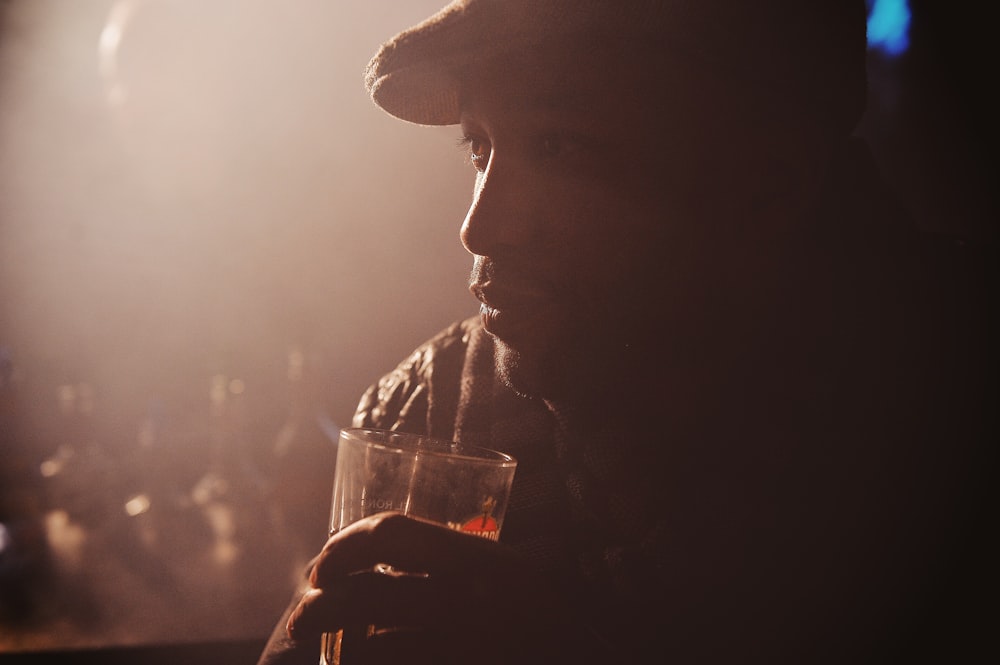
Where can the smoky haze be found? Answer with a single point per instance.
(211, 243)
(193, 189)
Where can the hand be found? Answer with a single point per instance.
(456, 596)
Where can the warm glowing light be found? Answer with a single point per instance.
(111, 36)
(54, 465)
(137, 505)
(223, 522)
(107, 50)
(217, 394)
(208, 489)
(236, 386)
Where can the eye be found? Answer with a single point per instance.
(479, 150)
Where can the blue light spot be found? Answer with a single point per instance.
(888, 26)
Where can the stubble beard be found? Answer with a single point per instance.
(564, 369)
(524, 375)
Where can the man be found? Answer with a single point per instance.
(734, 376)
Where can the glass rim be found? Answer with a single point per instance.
(409, 442)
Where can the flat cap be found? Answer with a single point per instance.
(808, 52)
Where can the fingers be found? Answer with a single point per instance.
(393, 570)
(383, 596)
(403, 542)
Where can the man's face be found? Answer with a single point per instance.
(586, 215)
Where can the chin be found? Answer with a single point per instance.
(572, 368)
(543, 372)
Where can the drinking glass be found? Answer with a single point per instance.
(459, 486)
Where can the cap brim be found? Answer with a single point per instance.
(416, 75)
(409, 76)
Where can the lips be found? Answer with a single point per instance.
(511, 308)
(517, 302)
(506, 314)
(497, 323)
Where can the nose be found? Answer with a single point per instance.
(500, 215)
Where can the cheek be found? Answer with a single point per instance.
(588, 226)
(621, 245)
(603, 234)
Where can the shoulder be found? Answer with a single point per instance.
(402, 398)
